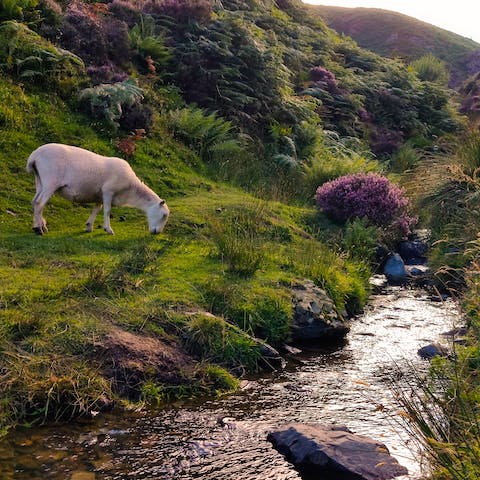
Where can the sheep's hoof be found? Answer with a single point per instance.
(38, 230)
(109, 231)
(89, 228)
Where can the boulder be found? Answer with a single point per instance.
(395, 270)
(314, 314)
(413, 252)
(335, 452)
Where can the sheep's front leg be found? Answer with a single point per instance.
(91, 218)
(107, 207)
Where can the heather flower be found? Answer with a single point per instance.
(369, 196)
(384, 141)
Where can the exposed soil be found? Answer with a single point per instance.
(128, 359)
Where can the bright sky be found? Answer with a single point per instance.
(459, 16)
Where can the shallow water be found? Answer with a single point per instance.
(226, 438)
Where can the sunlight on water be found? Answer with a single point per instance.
(226, 438)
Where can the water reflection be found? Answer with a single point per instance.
(225, 438)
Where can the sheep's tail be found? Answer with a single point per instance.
(31, 167)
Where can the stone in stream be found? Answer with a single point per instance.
(395, 270)
(335, 452)
(432, 350)
(314, 314)
(413, 252)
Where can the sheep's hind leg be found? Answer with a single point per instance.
(39, 201)
(91, 218)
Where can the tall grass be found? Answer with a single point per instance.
(215, 340)
(237, 235)
(441, 413)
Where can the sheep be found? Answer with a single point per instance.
(86, 177)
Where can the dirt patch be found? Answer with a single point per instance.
(129, 359)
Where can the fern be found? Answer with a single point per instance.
(14, 9)
(108, 100)
(145, 41)
(211, 137)
(25, 54)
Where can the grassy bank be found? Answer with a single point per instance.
(68, 297)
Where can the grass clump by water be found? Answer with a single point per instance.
(260, 310)
(345, 280)
(215, 340)
(441, 414)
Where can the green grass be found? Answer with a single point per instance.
(62, 292)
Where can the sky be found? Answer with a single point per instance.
(459, 16)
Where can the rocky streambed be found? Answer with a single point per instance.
(344, 384)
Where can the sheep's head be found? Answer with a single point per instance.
(157, 215)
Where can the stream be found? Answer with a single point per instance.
(225, 438)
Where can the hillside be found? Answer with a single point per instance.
(393, 34)
(234, 112)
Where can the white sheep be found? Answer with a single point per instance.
(85, 177)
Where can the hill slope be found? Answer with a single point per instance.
(396, 35)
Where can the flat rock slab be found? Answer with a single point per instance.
(335, 452)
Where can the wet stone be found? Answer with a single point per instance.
(315, 317)
(335, 451)
(432, 350)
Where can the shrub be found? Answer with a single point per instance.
(125, 11)
(369, 196)
(97, 38)
(324, 78)
(106, 74)
(431, 69)
(384, 141)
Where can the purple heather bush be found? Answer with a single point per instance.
(369, 196)
(107, 73)
(126, 11)
(384, 141)
(95, 37)
(325, 78)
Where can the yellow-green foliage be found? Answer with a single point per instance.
(430, 68)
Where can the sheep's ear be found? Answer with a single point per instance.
(162, 202)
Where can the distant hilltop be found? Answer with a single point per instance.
(393, 34)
